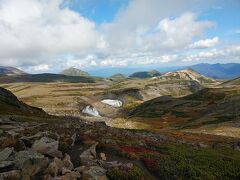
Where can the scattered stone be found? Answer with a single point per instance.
(81, 169)
(6, 164)
(11, 175)
(72, 175)
(73, 139)
(67, 162)
(5, 153)
(89, 155)
(47, 146)
(29, 162)
(96, 173)
(103, 156)
(52, 169)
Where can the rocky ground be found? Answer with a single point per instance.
(69, 148)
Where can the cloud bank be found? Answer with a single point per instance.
(40, 34)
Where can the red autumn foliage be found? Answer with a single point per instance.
(151, 164)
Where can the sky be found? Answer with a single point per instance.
(50, 35)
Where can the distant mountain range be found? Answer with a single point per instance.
(218, 71)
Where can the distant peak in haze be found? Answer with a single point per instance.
(218, 71)
(11, 71)
(72, 71)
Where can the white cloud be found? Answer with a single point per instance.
(205, 43)
(228, 53)
(40, 29)
(41, 67)
(50, 35)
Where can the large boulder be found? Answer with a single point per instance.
(89, 155)
(47, 146)
(5, 153)
(95, 173)
(11, 175)
(30, 163)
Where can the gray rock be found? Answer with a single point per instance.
(13, 175)
(47, 146)
(89, 155)
(5, 153)
(95, 173)
(67, 162)
(5, 164)
(30, 163)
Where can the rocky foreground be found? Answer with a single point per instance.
(68, 148)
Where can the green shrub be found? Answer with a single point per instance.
(119, 174)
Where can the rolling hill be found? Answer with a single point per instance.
(47, 77)
(209, 110)
(74, 72)
(145, 74)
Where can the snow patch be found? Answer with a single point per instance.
(112, 102)
(91, 111)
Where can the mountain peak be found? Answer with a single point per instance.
(7, 70)
(188, 74)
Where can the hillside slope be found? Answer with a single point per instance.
(206, 108)
(10, 105)
(187, 74)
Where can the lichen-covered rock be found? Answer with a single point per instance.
(95, 173)
(10, 175)
(67, 162)
(6, 164)
(47, 146)
(30, 163)
(5, 153)
(89, 155)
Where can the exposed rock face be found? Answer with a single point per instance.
(91, 111)
(112, 102)
(47, 146)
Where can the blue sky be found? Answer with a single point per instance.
(91, 34)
